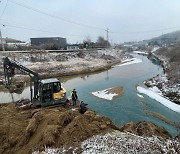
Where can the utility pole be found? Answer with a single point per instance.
(2, 41)
(107, 31)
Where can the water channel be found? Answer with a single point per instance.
(127, 108)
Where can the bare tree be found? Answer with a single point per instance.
(101, 42)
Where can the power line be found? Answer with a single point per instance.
(156, 30)
(4, 21)
(53, 16)
(150, 31)
(4, 9)
(72, 22)
(39, 30)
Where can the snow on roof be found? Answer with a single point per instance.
(49, 80)
(10, 40)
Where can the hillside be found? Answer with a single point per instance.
(172, 56)
(168, 38)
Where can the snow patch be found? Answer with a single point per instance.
(156, 90)
(117, 142)
(25, 63)
(141, 52)
(104, 94)
(153, 94)
(141, 96)
(130, 61)
(155, 49)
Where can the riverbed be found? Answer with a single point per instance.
(128, 107)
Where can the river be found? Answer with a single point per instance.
(127, 108)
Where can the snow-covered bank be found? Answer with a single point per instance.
(153, 94)
(168, 83)
(49, 64)
(130, 61)
(166, 87)
(141, 52)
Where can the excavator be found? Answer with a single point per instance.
(43, 92)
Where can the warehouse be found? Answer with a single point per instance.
(59, 41)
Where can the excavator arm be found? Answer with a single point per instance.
(9, 72)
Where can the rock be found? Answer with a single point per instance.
(61, 57)
(177, 138)
(159, 85)
(103, 127)
(81, 54)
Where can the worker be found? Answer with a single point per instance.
(74, 97)
(83, 107)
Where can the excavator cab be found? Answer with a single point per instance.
(51, 92)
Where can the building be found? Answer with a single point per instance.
(10, 41)
(59, 41)
(72, 47)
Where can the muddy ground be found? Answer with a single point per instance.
(24, 131)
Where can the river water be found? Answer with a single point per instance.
(127, 108)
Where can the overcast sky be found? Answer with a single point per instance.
(128, 20)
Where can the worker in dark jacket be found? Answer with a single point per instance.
(74, 97)
(83, 107)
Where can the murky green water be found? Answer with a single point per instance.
(123, 109)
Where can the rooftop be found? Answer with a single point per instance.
(10, 40)
(51, 80)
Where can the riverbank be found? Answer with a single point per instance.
(25, 131)
(168, 83)
(66, 64)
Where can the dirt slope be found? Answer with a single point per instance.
(25, 131)
(22, 131)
